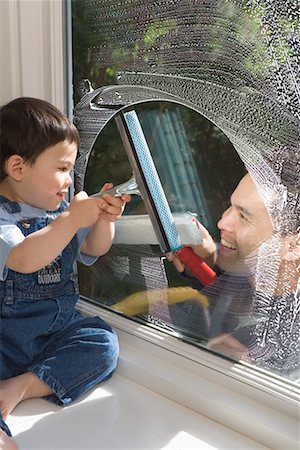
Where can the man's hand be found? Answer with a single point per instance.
(179, 266)
(229, 346)
(206, 250)
(289, 268)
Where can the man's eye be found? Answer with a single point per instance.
(63, 169)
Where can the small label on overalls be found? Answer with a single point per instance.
(49, 274)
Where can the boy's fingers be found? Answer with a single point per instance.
(80, 196)
(106, 186)
(126, 198)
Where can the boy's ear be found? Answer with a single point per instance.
(15, 167)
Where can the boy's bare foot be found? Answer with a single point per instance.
(7, 443)
(14, 390)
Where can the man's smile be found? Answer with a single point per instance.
(227, 245)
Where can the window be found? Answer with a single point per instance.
(190, 155)
(202, 82)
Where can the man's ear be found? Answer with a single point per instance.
(14, 167)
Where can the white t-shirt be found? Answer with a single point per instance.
(11, 235)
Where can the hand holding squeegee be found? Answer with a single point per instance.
(148, 185)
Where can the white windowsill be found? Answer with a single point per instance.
(247, 401)
(120, 414)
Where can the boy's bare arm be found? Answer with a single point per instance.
(100, 237)
(43, 246)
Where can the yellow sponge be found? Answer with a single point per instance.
(139, 302)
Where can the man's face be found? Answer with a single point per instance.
(243, 227)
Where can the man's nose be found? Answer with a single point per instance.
(227, 220)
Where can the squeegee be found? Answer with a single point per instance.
(146, 182)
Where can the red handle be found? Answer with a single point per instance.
(196, 265)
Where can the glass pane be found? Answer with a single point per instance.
(198, 169)
(222, 78)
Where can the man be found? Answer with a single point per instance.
(245, 227)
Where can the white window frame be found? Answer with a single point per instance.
(32, 42)
(263, 408)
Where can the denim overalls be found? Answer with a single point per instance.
(42, 333)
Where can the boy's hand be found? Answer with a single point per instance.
(100, 237)
(112, 207)
(84, 210)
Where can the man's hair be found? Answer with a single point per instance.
(28, 126)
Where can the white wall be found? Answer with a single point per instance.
(31, 50)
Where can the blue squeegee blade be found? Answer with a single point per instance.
(152, 179)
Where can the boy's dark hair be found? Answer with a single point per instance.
(28, 126)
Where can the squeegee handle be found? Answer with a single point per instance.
(114, 192)
(205, 274)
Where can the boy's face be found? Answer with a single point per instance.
(46, 183)
(243, 227)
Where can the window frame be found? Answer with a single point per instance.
(32, 49)
(245, 399)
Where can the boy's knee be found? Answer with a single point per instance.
(113, 348)
(100, 345)
(107, 348)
